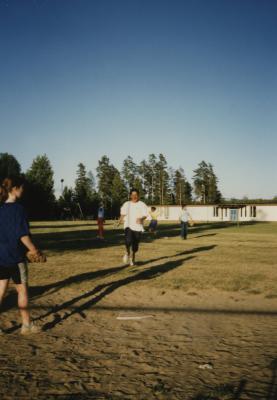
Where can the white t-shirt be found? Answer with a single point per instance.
(132, 212)
(101, 212)
(185, 216)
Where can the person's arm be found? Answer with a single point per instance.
(23, 231)
(123, 214)
(27, 241)
(121, 219)
(141, 220)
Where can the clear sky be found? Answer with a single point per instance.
(193, 79)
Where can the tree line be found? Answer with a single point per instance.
(157, 182)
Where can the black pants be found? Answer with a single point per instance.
(184, 230)
(132, 239)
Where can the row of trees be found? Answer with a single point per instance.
(157, 182)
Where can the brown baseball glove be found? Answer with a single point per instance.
(36, 257)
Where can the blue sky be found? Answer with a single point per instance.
(193, 79)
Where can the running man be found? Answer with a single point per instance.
(184, 219)
(133, 213)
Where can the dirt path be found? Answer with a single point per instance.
(89, 353)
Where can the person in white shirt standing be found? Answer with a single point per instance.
(133, 213)
(184, 219)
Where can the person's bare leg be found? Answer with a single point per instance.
(22, 292)
(3, 287)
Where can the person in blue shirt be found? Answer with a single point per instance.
(14, 240)
(101, 221)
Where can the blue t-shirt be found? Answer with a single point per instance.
(13, 225)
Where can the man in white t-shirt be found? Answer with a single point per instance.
(133, 213)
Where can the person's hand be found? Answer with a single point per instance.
(35, 256)
(140, 221)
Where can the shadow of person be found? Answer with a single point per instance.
(272, 390)
(182, 253)
(51, 288)
(101, 291)
(200, 236)
(39, 291)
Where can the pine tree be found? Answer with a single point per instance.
(83, 191)
(153, 179)
(146, 174)
(183, 189)
(205, 183)
(214, 195)
(39, 196)
(119, 194)
(67, 204)
(105, 175)
(162, 193)
(129, 172)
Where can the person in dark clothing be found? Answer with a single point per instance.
(14, 239)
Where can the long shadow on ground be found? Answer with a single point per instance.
(104, 290)
(51, 288)
(78, 240)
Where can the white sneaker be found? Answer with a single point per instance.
(126, 259)
(132, 262)
(28, 329)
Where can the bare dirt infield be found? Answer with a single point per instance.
(210, 303)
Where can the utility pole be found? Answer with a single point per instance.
(62, 181)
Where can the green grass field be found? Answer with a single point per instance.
(216, 256)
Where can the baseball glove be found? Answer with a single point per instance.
(36, 257)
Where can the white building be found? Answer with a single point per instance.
(222, 212)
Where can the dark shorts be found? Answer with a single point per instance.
(10, 273)
(132, 239)
(153, 224)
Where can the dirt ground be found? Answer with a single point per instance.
(153, 331)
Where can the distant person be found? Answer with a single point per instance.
(14, 238)
(184, 219)
(133, 213)
(101, 221)
(154, 214)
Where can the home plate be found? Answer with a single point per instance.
(134, 317)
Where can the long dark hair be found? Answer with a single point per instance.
(7, 185)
